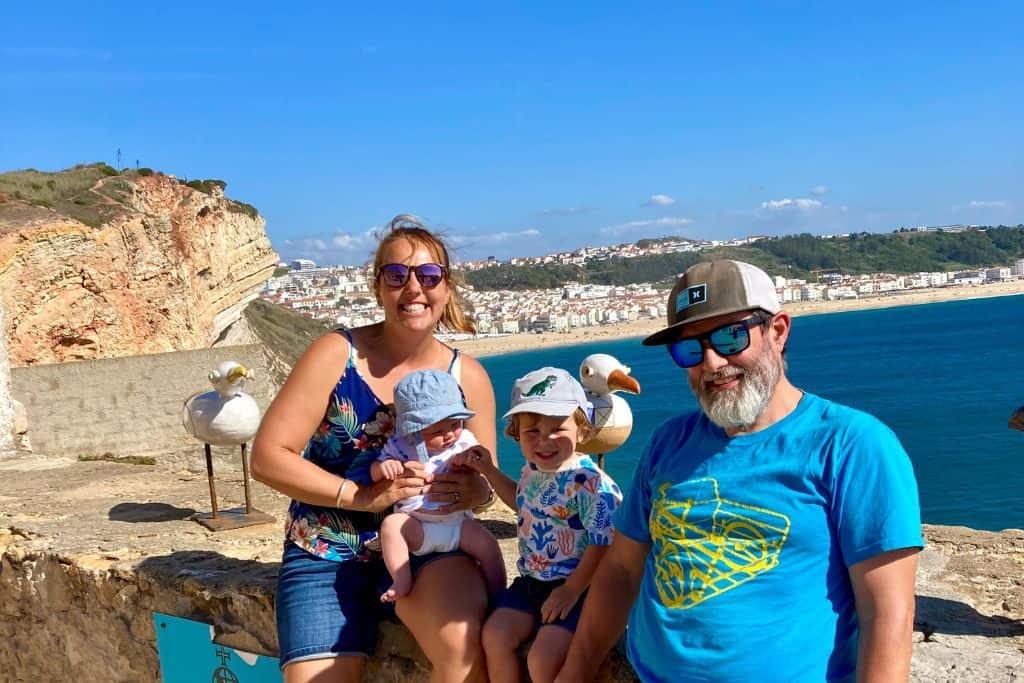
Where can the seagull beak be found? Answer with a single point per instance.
(618, 380)
(236, 373)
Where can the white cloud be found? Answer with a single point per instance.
(567, 211)
(634, 226)
(787, 204)
(660, 200)
(306, 244)
(988, 204)
(819, 190)
(493, 238)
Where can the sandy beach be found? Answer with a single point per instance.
(492, 346)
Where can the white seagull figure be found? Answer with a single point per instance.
(226, 416)
(601, 376)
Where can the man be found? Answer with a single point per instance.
(770, 536)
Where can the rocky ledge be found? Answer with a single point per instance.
(88, 550)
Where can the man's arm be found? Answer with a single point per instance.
(612, 591)
(883, 587)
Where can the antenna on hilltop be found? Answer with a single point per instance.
(118, 167)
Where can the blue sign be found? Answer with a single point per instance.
(189, 655)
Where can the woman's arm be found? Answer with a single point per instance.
(288, 425)
(476, 384)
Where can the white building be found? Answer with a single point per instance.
(997, 274)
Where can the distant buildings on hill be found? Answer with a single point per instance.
(344, 295)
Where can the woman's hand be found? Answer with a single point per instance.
(458, 489)
(382, 495)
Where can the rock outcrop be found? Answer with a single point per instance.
(89, 550)
(166, 267)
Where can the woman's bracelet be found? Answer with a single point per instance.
(341, 491)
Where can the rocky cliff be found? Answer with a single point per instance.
(94, 265)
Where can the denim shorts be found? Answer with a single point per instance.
(527, 594)
(329, 609)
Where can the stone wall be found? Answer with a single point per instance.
(131, 405)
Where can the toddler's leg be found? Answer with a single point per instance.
(503, 633)
(483, 547)
(547, 653)
(399, 533)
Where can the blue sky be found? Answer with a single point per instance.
(533, 127)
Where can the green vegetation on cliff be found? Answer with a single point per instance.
(91, 193)
(795, 256)
(283, 331)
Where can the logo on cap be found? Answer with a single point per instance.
(697, 294)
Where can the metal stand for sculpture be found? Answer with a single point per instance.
(225, 417)
(602, 375)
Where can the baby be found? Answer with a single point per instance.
(429, 414)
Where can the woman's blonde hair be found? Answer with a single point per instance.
(411, 229)
(583, 425)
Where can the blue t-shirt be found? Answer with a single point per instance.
(752, 537)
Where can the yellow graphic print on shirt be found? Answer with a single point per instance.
(705, 545)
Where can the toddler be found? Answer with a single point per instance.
(565, 504)
(429, 414)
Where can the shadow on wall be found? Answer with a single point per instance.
(938, 615)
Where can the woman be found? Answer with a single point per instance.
(316, 443)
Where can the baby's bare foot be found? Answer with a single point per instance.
(399, 589)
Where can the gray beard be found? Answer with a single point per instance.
(741, 407)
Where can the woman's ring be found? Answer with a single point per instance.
(477, 456)
(457, 496)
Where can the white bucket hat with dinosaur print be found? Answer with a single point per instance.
(548, 391)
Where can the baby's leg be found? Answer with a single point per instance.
(483, 547)
(503, 633)
(547, 653)
(399, 533)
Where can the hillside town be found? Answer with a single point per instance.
(344, 294)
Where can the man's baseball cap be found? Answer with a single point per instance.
(548, 391)
(714, 288)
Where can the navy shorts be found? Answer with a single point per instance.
(329, 609)
(527, 594)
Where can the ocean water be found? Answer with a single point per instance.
(945, 377)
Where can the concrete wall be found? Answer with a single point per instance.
(6, 406)
(129, 406)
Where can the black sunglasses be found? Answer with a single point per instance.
(396, 275)
(727, 340)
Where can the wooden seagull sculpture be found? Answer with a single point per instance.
(226, 416)
(601, 376)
